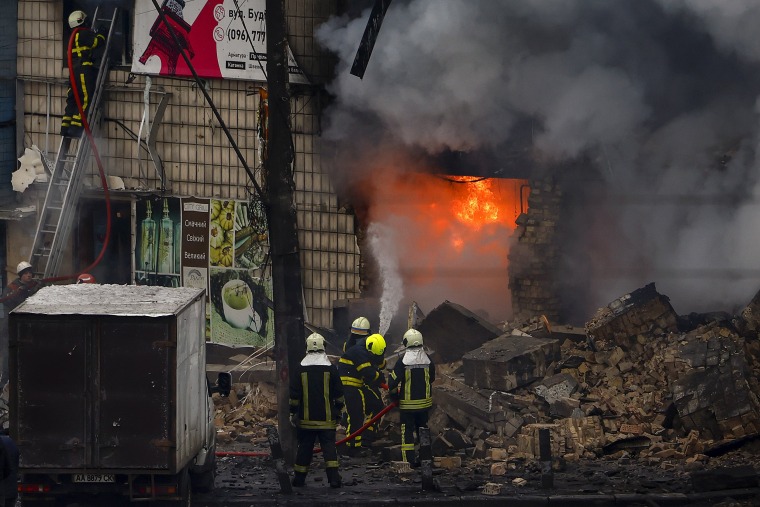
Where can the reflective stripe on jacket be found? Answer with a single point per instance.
(316, 395)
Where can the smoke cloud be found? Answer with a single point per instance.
(659, 97)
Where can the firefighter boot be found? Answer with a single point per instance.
(334, 478)
(299, 479)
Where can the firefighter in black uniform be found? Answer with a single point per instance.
(359, 331)
(316, 401)
(83, 43)
(359, 370)
(410, 385)
(373, 398)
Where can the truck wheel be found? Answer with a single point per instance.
(203, 482)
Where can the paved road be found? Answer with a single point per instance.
(252, 481)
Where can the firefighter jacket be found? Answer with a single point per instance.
(359, 366)
(377, 361)
(316, 393)
(17, 291)
(84, 45)
(412, 376)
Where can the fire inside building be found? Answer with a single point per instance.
(560, 199)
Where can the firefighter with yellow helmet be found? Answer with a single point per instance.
(373, 398)
(316, 401)
(359, 369)
(410, 386)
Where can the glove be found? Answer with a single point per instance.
(294, 420)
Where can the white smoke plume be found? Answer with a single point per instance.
(383, 243)
(658, 97)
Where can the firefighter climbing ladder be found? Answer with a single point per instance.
(57, 214)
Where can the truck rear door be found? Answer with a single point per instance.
(53, 382)
(136, 412)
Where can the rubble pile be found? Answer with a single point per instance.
(639, 382)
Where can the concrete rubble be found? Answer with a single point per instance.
(641, 384)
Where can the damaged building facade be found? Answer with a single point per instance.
(184, 156)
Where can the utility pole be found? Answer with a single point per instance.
(286, 263)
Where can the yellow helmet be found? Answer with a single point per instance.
(360, 326)
(375, 343)
(315, 342)
(412, 338)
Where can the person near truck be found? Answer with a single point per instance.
(13, 295)
(316, 401)
(21, 288)
(359, 369)
(10, 469)
(410, 386)
(84, 42)
(373, 398)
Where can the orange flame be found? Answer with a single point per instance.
(452, 233)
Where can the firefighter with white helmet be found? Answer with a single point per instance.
(410, 386)
(13, 295)
(360, 371)
(83, 43)
(22, 287)
(373, 399)
(359, 332)
(316, 401)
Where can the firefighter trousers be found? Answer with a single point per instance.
(411, 422)
(355, 410)
(305, 452)
(373, 404)
(85, 77)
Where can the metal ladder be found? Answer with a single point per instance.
(65, 187)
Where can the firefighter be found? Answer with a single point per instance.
(83, 43)
(373, 398)
(316, 401)
(13, 295)
(359, 331)
(359, 371)
(410, 385)
(86, 278)
(22, 287)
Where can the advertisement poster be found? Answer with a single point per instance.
(221, 40)
(157, 260)
(221, 246)
(240, 287)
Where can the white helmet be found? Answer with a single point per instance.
(412, 338)
(22, 266)
(360, 326)
(76, 19)
(315, 343)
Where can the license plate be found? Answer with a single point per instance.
(94, 478)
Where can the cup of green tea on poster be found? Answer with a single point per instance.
(237, 305)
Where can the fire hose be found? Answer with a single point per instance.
(318, 450)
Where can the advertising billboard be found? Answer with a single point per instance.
(224, 39)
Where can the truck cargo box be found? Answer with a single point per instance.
(108, 380)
